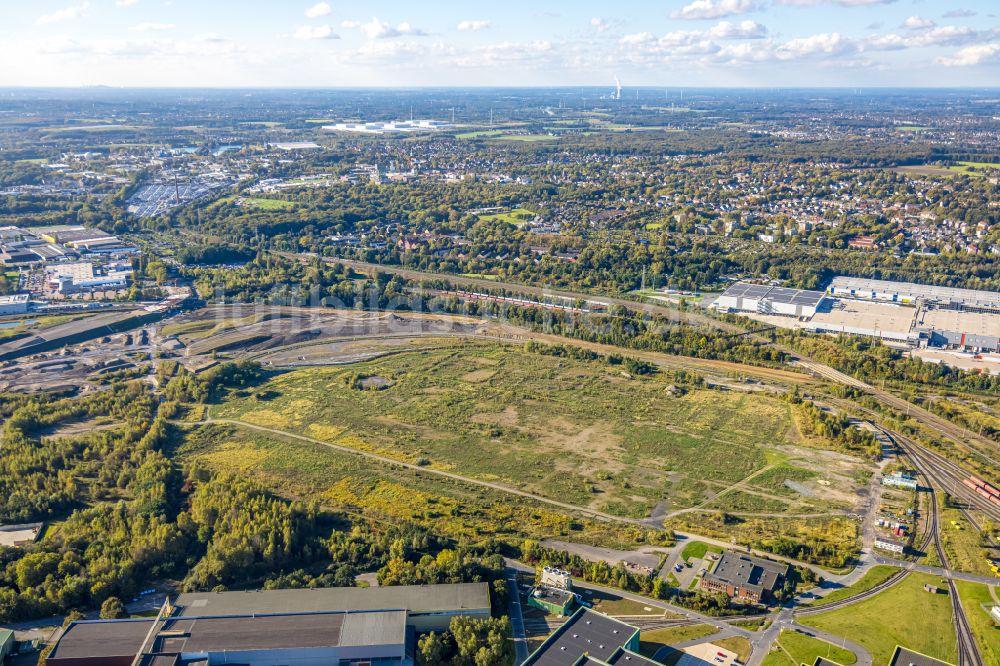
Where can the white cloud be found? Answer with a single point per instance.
(646, 43)
(137, 48)
(147, 26)
(307, 32)
(473, 26)
(946, 35)
(824, 44)
(350, 25)
(209, 37)
(599, 24)
(378, 29)
(842, 3)
(742, 30)
(319, 9)
(65, 14)
(977, 54)
(125, 3)
(712, 9)
(918, 23)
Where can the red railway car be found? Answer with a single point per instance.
(985, 486)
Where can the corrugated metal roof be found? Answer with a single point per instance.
(414, 598)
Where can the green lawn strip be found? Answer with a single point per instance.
(777, 657)
(804, 649)
(269, 204)
(873, 577)
(902, 615)
(698, 550)
(976, 600)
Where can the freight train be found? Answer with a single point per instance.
(983, 489)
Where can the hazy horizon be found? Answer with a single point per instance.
(388, 44)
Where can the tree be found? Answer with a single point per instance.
(113, 609)
(431, 649)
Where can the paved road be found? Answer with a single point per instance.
(761, 644)
(516, 619)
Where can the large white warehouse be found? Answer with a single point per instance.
(908, 292)
(764, 299)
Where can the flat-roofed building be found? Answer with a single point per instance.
(17, 536)
(745, 577)
(885, 321)
(6, 643)
(960, 329)
(765, 299)
(304, 639)
(903, 657)
(889, 544)
(589, 638)
(429, 607)
(909, 292)
(14, 304)
(72, 235)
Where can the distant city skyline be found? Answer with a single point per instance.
(256, 43)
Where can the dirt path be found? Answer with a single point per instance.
(600, 515)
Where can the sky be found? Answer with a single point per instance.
(286, 43)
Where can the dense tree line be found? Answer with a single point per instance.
(876, 363)
(838, 428)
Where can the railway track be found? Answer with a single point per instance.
(834, 605)
(948, 475)
(976, 445)
(897, 577)
(933, 471)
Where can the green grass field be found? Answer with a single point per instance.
(962, 544)
(874, 576)
(481, 134)
(575, 431)
(902, 615)
(974, 169)
(794, 649)
(526, 138)
(97, 128)
(355, 485)
(976, 600)
(15, 326)
(267, 204)
(698, 550)
(517, 217)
